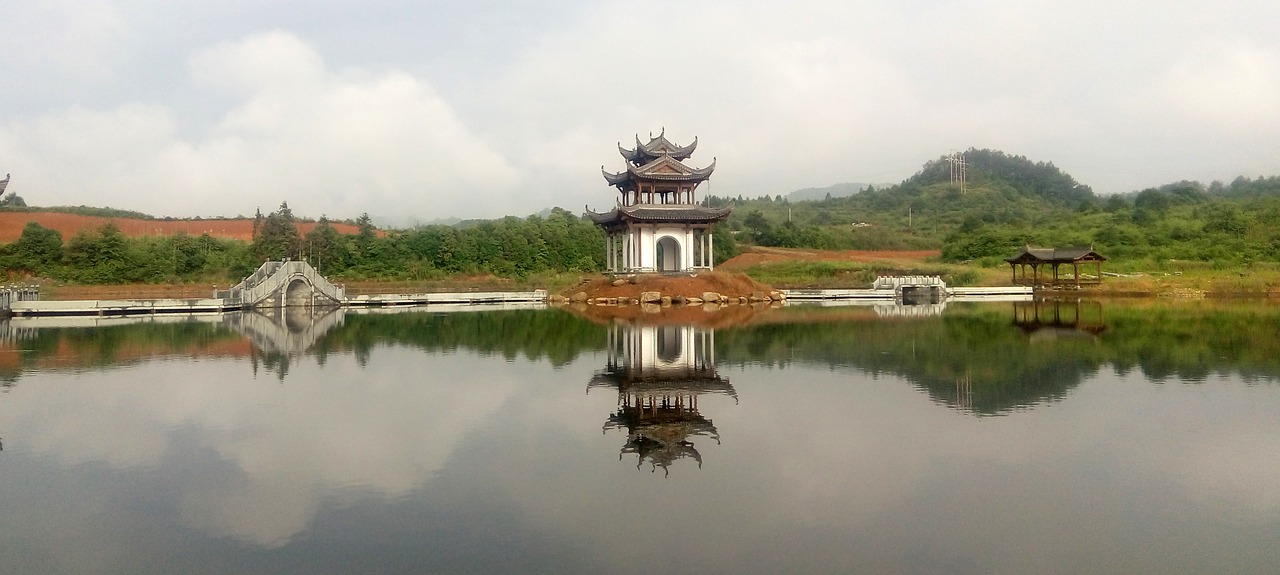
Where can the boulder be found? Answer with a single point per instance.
(650, 297)
(580, 297)
(679, 300)
(694, 301)
(711, 296)
(665, 301)
(619, 282)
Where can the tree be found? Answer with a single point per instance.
(38, 250)
(277, 237)
(13, 199)
(98, 257)
(326, 248)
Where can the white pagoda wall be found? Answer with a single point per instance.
(639, 247)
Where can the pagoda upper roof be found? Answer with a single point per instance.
(664, 168)
(657, 147)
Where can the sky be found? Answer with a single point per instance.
(414, 111)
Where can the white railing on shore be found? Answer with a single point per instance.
(10, 294)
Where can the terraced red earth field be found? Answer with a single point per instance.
(11, 224)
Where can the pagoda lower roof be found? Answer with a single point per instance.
(661, 213)
(664, 383)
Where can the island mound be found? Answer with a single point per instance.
(702, 287)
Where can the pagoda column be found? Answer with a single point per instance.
(626, 250)
(711, 246)
(687, 259)
(612, 245)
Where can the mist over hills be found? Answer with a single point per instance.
(835, 190)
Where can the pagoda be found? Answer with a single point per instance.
(657, 224)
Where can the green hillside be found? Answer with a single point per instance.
(1009, 201)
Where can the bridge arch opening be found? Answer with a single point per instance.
(298, 292)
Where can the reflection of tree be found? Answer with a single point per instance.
(660, 372)
(555, 335)
(972, 357)
(969, 358)
(98, 343)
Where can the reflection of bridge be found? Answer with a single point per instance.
(290, 331)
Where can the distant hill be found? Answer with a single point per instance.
(1006, 174)
(835, 190)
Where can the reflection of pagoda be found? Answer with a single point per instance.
(1050, 319)
(659, 372)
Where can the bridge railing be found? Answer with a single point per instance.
(274, 275)
(897, 282)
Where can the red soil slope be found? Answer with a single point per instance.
(757, 255)
(11, 224)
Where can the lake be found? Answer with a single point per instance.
(1054, 437)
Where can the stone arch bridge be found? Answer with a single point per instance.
(286, 283)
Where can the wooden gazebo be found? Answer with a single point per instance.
(1054, 258)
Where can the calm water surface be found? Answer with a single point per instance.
(994, 438)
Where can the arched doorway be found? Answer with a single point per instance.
(669, 254)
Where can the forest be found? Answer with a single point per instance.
(510, 248)
(1007, 202)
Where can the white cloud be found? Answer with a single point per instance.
(334, 142)
(466, 113)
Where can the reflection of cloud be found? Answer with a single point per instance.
(832, 457)
(284, 447)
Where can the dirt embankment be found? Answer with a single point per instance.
(733, 285)
(758, 255)
(714, 299)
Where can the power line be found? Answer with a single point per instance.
(958, 169)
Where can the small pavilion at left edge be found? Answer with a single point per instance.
(657, 225)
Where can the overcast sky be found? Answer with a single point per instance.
(421, 110)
